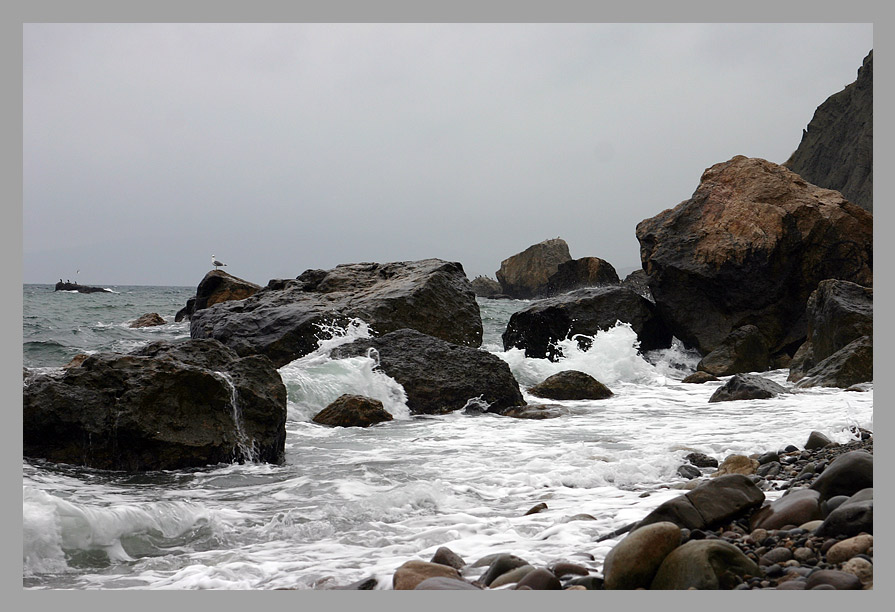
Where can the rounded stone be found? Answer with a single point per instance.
(841, 581)
(705, 564)
(409, 575)
(846, 549)
(634, 561)
(862, 568)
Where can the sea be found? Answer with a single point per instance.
(350, 504)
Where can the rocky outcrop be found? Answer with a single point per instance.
(353, 411)
(850, 365)
(746, 386)
(638, 282)
(743, 350)
(748, 249)
(165, 407)
(836, 151)
(485, 287)
(571, 385)
(578, 273)
(526, 274)
(284, 320)
(150, 319)
(60, 286)
(438, 376)
(585, 311)
(838, 313)
(216, 287)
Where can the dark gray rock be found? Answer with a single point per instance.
(701, 460)
(485, 287)
(846, 475)
(501, 565)
(442, 583)
(796, 508)
(746, 386)
(743, 350)
(689, 472)
(353, 411)
(638, 282)
(571, 385)
(850, 365)
(445, 556)
(438, 376)
(168, 406)
(836, 150)
(816, 440)
(699, 378)
(633, 562)
(585, 311)
(579, 273)
(283, 320)
(853, 516)
(150, 319)
(540, 579)
(839, 580)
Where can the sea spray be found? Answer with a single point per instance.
(315, 380)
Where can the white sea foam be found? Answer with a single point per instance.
(315, 380)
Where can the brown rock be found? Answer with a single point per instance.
(571, 385)
(150, 319)
(583, 272)
(860, 567)
(846, 549)
(526, 274)
(737, 464)
(704, 564)
(699, 377)
(412, 573)
(353, 411)
(217, 286)
(749, 248)
(796, 508)
(634, 561)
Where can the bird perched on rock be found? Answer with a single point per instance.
(216, 263)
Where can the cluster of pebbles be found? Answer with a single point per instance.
(792, 557)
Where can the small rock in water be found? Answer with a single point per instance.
(536, 508)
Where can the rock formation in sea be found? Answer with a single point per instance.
(585, 311)
(486, 287)
(581, 272)
(150, 319)
(526, 274)
(836, 151)
(66, 286)
(285, 320)
(167, 406)
(439, 376)
(748, 248)
(217, 286)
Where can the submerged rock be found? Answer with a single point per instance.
(439, 376)
(585, 311)
(743, 350)
(165, 407)
(283, 320)
(571, 385)
(748, 248)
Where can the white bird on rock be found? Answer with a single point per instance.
(216, 263)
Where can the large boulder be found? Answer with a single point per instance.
(353, 411)
(438, 376)
(743, 350)
(526, 274)
(586, 312)
(583, 272)
(285, 320)
(571, 385)
(216, 287)
(746, 387)
(836, 150)
(850, 365)
(748, 249)
(704, 565)
(168, 406)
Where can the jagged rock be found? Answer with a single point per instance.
(526, 274)
(217, 286)
(585, 311)
(438, 376)
(60, 286)
(353, 411)
(571, 385)
(283, 320)
(748, 249)
(743, 350)
(746, 386)
(583, 272)
(850, 518)
(836, 150)
(168, 406)
(638, 282)
(850, 365)
(150, 319)
(485, 287)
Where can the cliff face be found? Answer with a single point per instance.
(836, 151)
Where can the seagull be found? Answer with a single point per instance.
(216, 263)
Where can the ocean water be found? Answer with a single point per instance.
(353, 503)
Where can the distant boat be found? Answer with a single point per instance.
(67, 286)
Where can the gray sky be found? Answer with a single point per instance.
(283, 147)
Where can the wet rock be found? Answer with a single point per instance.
(737, 464)
(526, 274)
(591, 583)
(699, 377)
(536, 508)
(151, 319)
(536, 411)
(442, 583)
(795, 508)
(849, 519)
(485, 287)
(846, 475)
(501, 565)
(850, 365)
(746, 386)
(701, 460)
(839, 580)
(704, 564)
(511, 577)
(167, 406)
(353, 411)
(437, 376)
(283, 320)
(842, 551)
(367, 584)
(816, 440)
(565, 568)
(579, 273)
(217, 286)
(445, 556)
(584, 312)
(571, 385)
(540, 580)
(409, 575)
(748, 248)
(689, 472)
(743, 350)
(633, 562)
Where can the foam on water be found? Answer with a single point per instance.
(315, 380)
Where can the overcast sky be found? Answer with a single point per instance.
(283, 147)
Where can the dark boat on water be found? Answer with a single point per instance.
(67, 286)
